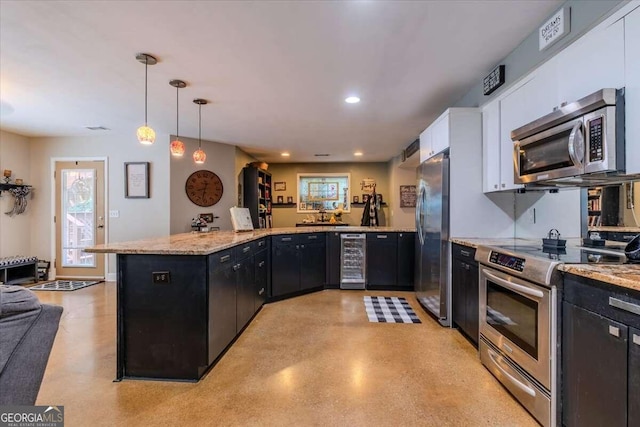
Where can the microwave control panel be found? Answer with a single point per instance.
(596, 139)
(508, 261)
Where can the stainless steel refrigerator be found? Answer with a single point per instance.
(432, 244)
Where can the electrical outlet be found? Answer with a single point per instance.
(161, 277)
(114, 214)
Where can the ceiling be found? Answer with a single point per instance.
(276, 73)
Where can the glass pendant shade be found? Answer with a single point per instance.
(199, 156)
(146, 135)
(177, 148)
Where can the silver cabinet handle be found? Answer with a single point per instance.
(624, 305)
(312, 237)
(246, 249)
(261, 263)
(286, 239)
(525, 388)
(504, 185)
(514, 287)
(225, 258)
(381, 236)
(236, 267)
(615, 331)
(465, 253)
(261, 291)
(261, 243)
(636, 339)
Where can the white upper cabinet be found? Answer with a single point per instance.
(595, 61)
(435, 138)
(491, 147)
(632, 90)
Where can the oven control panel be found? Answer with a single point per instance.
(508, 261)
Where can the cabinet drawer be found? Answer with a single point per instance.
(464, 252)
(614, 302)
(315, 237)
(244, 250)
(261, 244)
(221, 259)
(391, 238)
(285, 239)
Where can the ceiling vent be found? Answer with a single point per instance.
(322, 155)
(97, 128)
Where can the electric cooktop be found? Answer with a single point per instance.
(571, 255)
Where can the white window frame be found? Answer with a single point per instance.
(302, 203)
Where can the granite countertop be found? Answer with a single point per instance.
(624, 275)
(616, 228)
(207, 243)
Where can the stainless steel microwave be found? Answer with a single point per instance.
(578, 143)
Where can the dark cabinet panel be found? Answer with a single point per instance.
(406, 260)
(594, 369)
(634, 377)
(245, 287)
(222, 305)
(382, 260)
(312, 261)
(333, 259)
(465, 291)
(163, 326)
(285, 269)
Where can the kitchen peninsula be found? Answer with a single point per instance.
(184, 299)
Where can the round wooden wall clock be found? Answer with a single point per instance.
(204, 188)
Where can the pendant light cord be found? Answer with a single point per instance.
(199, 126)
(146, 66)
(177, 113)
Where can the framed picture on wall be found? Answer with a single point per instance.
(136, 180)
(365, 198)
(280, 199)
(289, 199)
(356, 199)
(279, 186)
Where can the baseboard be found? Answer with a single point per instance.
(111, 277)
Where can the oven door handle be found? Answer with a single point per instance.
(513, 286)
(576, 144)
(525, 388)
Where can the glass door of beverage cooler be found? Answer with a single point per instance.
(352, 261)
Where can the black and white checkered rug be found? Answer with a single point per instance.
(62, 285)
(389, 310)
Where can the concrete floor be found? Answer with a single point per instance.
(311, 360)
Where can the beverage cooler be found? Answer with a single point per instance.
(352, 261)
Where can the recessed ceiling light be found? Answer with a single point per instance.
(352, 100)
(358, 153)
(285, 154)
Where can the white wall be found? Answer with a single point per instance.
(398, 175)
(139, 218)
(221, 160)
(15, 232)
(560, 211)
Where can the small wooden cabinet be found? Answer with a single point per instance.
(465, 291)
(600, 354)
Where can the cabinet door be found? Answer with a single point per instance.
(381, 266)
(491, 147)
(260, 291)
(594, 368)
(426, 149)
(222, 309)
(312, 261)
(440, 135)
(285, 269)
(634, 377)
(582, 71)
(406, 259)
(245, 287)
(632, 88)
(472, 301)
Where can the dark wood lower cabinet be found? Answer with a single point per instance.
(298, 263)
(406, 260)
(382, 260)
(312, 261)
(261, 275)
(222, 305)
(245, 290)
(465, 291)
(600, 354)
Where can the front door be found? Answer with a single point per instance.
(79, 218)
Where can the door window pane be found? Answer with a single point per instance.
(78, 217)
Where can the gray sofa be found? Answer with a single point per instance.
(27, 331)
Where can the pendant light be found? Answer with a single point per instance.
(199, 156)
(177, 146)
(146, 135)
